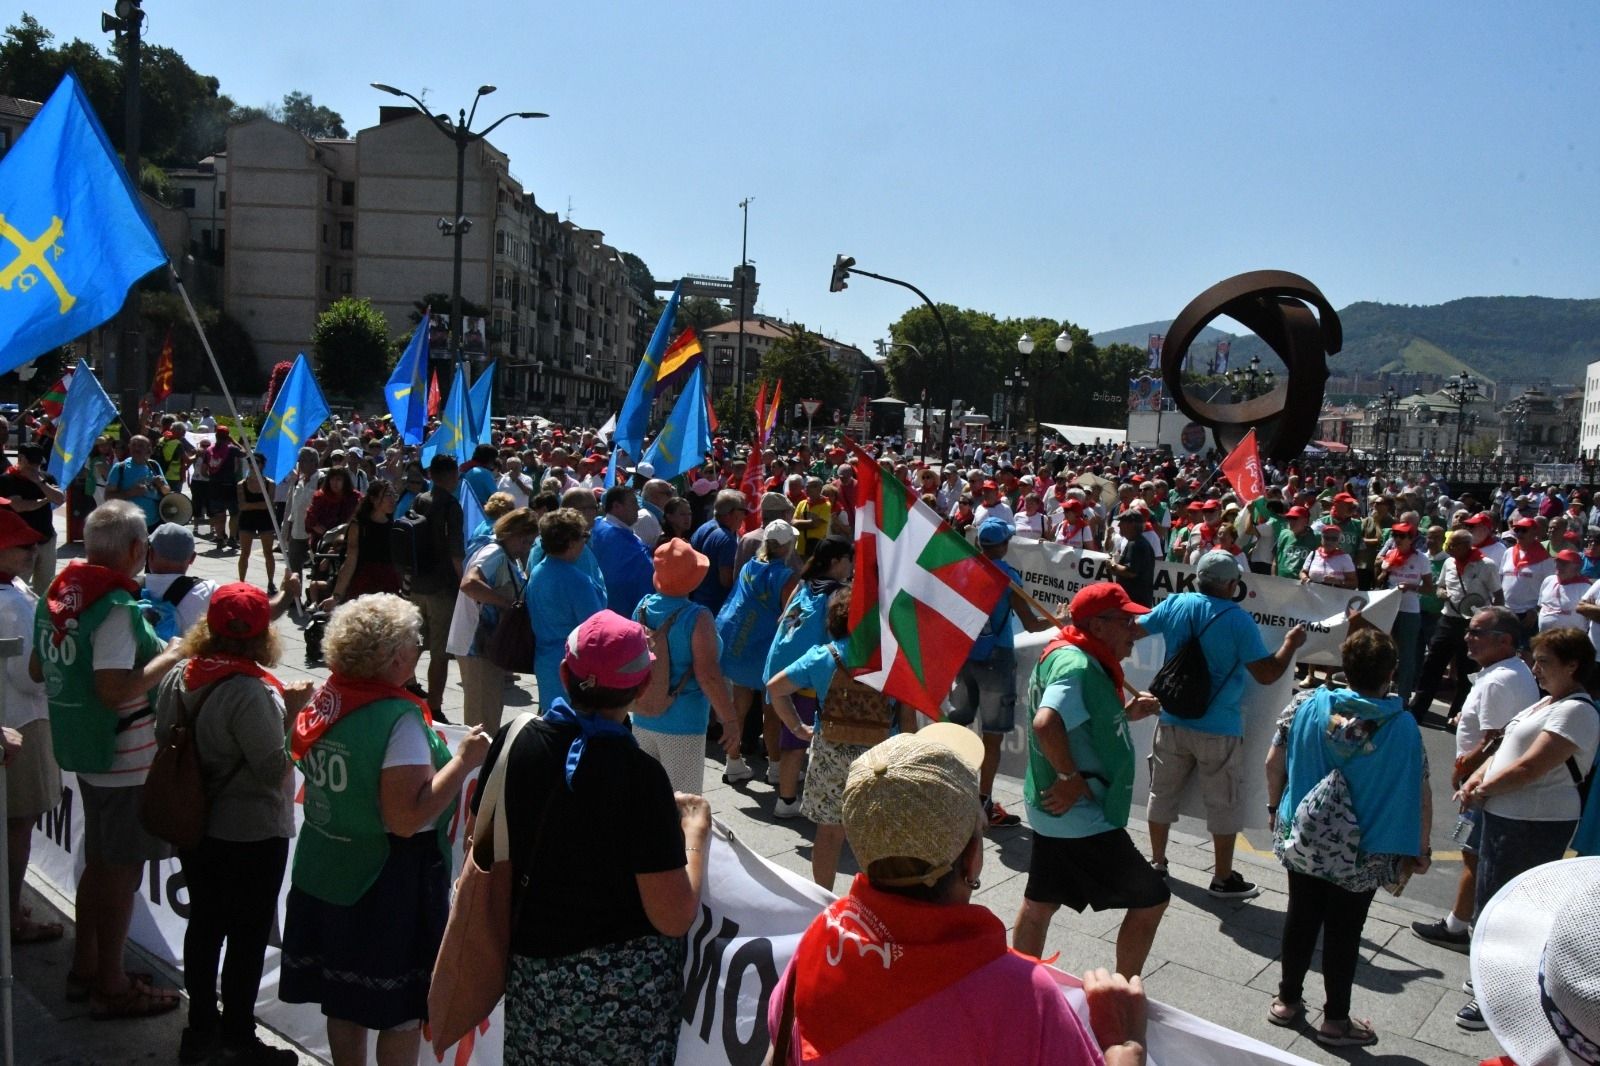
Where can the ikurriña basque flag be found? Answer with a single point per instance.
(297, 413)
(73, 238)
(85, 413)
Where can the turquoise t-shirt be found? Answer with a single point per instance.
(815, 669)
(1084, 818)
(560, 597)
(1230, 644)
(690, 711)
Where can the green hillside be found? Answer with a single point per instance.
(1428, 358)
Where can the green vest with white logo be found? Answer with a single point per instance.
(343, 843)
(83, 730)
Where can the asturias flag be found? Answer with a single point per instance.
(1243, 470)
(685, 437)
(297, 413)
(87, 410)
(635, 415)
(73, 238)
(480, 399)
(406, 392)
(454, 435)
(922, 593)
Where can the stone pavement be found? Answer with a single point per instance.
(1217, 959)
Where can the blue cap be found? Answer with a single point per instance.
(994, 530)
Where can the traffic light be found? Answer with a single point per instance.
(841, 272)
(879, 344)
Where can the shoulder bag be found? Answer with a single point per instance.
(511, 644)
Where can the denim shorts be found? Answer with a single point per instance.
(987, 691)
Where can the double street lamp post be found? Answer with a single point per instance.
(1462, 391)
(1025, 348)
(1250, 382)
(458, 226)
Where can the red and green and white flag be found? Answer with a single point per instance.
(52, 401)
(922, 593)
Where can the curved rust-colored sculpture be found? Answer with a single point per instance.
(1272, 304)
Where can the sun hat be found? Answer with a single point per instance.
(779, 532)
(238, 610)
(1092, 601)
(1536, 964)
(645, 470)
(1219, 566)
(609, 650)
(15, 531)
(995, 530)
(679, 568)
(915, 797)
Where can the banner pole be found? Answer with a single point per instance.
(227, 394)
(10, 647)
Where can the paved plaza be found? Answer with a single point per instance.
(1215, 958)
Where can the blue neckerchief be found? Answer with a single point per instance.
(589, 727)
(1385, 782)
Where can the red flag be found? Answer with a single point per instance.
(755, 475)
(1243, 470)
(711, 410)
(52, 401)
(771, 421)
(435, 402)
(161, 387)
(761, 412)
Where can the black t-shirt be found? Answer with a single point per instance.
(1140, 587)
(16, 486)
(620, 820)
(445, 542)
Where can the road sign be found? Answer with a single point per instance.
(811, 407)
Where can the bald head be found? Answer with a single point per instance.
(657, 492)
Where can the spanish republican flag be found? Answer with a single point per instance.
(681, 356)
(161, 387)
(769, 421)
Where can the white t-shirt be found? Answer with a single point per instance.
(1593, 596)
(516, 487)
(1030, 525)
(1558, 603)
(1001, 509)
(1409, 576)
(1554, 797)
(1499, 691)
(25, 700)
(1328, 570)
(192, 607)
(115, 649)
(1493, 550)
(1520, 580)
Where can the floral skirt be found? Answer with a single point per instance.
(617, 1003)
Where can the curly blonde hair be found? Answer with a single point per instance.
(498, 505)
(366, 633)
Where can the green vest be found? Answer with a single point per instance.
(83, 730)
(343, 843)
(1292, 551)
(1108, 732)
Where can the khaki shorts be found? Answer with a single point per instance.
(112, 831)
(1179, 753)
(437, 609)
(33, 780)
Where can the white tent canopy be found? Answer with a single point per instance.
(1087, 434)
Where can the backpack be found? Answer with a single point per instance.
(854, 712)
(411, 543)
(1183, 684)
(162, 612)
(659, 692)
(1322, 838)
(174, 805)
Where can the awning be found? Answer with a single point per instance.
(1331, 445)
(1087, 434)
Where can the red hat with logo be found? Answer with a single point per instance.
(1095, 600)
(239, 610)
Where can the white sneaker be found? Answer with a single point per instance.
(737, 770)
(772, 773)
(786, 809)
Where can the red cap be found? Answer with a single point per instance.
(223, 431)
(1211, 505)
(1480, 519)
(1297, 512)
(1095, 600)
(1403, 529)
(1525, 523)
(1330, 481)
(1345, 497)
(607, 650)
(239, 610)
(989, 485)
(14, 529)
(1072, 505)
(1567, 555)
(1570, 535)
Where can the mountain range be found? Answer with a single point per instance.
(1497, 338)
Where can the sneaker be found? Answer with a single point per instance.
(253, 1052)
(1470, 1018)
(196, 1045)
(1000, 818)
(786, 808)
(1439, 933)
(772, 773)
(737, 770)
(272, 589)
(1466, 986)
(1234, 887)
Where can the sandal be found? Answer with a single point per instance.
(80, 988)
(28, 931)
(1350, 1033)
(139, 1001)
(1286, 1014)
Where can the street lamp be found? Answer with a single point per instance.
(922, 437)
(1025, 347)
(1250, 382)
(1386, 402)
(457, 226)
(1462, 391)
(1519, 424)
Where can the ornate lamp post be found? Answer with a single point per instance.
(1463, 392)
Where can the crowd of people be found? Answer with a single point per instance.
(662, 619)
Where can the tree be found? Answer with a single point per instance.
(701, 312)
(350, 344)
(801, 362)
(161, 311)
(299, 112)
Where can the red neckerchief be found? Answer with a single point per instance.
(1397, 557)
(1533, 558)
(1473, 556)
(873, 955)
(76, 589)
(1576, 579)
(340, 696)
(1326, 554)
(203, 670)
(1096, 649)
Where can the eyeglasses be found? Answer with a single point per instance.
(1471, 632)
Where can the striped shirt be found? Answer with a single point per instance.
(114, 649)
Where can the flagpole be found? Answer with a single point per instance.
(227, 394)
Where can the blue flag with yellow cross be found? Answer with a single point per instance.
(85, 414)
(73, 238)
(297, 413)
(685, 436)
(456, 434)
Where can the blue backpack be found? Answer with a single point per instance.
(162, 612)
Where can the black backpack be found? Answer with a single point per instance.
(411, 543)
(1183, 684)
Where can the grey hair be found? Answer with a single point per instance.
(367, 632)
(727, 501)
(1505, 621)
(109, 529)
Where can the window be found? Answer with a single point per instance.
(205, 239)
(499, 286)
(329, 196)
(222, 200)
(500, 242)
(347, 236)
(324, 233)
(185, 197)
(347, 194)
(5, 141)
(344, 282)
(327, 278)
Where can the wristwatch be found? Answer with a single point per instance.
(1067, 777)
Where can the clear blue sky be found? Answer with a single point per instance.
(1098, 162)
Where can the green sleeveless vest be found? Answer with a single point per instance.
(343, 843)
(1108, 732)
(83, 730)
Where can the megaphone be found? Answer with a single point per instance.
(175, 507)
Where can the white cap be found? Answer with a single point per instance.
(780, 532)
(645, 470)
